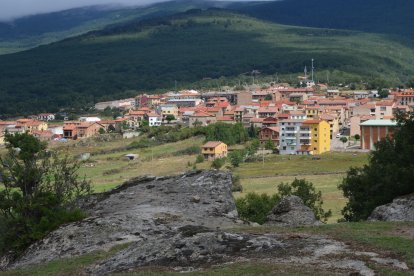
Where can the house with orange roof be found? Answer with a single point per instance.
(297, 114)
(269, 122)
(70, 131)
(384, 109)
(333, 122)
(214, 149)
(135, 117)
(201, 118)
(313, 112)
(46, 135)
(31, 125)
(270, 111)
(256, 122)
(154, 119)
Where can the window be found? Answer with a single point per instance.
(314, 148)
(316, 141)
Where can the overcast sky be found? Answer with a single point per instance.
(10, 9)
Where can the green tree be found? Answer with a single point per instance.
(199, 159)
(268, 97)
(383, 93)
(218, 163)
(307, 192)
(252, 132)
(39, 189)
(254, 147)
(102, 130)
(236, 157)
(197, 123)
(170, 118)
(255, 207)
(269, 145)
(343, 139)
(389, 173)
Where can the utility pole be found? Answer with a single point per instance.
(263, 156)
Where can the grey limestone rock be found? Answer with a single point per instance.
(291, 211)
(400, 209)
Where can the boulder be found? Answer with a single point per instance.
(291, 211)
(400, 209)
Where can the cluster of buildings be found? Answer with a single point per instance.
(296, 120)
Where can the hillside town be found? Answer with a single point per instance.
(302, 120)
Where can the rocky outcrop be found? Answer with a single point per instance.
(142, 209)
(401, 209)
(182, 223)
(291, 211)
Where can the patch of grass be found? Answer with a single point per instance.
(327, 184)
(158, 160)
(253, 268)
(325, 174)
(67, 266)
(275, 165)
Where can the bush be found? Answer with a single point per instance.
(389, 173)
(236, 184)
(254, 207)
(235, 157)
(306, 191)
(40, 189)
(188, 151)
(143, 143)
(199, 159)
(218, 163)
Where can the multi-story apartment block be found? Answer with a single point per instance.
(304, 137)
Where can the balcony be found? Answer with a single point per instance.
(305, 142)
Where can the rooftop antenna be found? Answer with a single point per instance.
(313, 68)
(306, 73)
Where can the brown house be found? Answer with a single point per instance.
(77, 130)
(86, 130)
(269, 133)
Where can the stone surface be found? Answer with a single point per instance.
(183, 223)
(291, 211)
(400, 209)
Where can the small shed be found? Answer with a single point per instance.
(131, 156)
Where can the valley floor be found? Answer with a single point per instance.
(108, 168)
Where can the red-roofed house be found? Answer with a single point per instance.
(201, 118)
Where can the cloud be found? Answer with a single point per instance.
(11, 9)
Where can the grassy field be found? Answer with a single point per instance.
(107, 170)
(325, 174)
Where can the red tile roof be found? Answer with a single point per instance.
(212, 144)
(310, 122)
